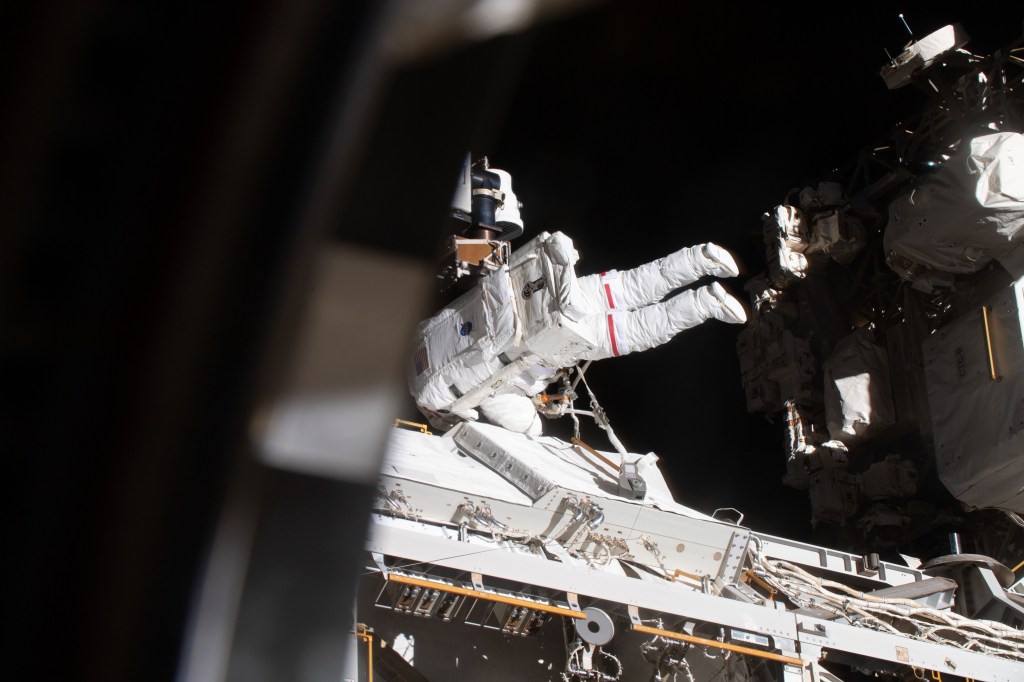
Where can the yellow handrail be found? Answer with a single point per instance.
(422, 428)
(514, 601)
(988, 344)
(365, 633)
(718, 645)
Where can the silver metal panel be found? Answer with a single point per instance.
(834, 560)
(905, 651)
(565, 465)
(732, 565)
(435, 479)
(436, 461)
(524, 476)
(978, 419)
(420, 542)
(691, 545)
(655, 537)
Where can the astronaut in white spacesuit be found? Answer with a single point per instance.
(500, 344)
(504, 342)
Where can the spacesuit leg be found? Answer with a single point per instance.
(651, 282)
(629, 331)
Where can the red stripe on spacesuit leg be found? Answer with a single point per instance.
(608, 292)
(611, 335)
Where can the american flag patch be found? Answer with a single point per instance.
(421, 361)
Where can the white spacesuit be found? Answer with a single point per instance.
(505, 340)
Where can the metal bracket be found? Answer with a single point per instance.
(732, 567)
(378, 559)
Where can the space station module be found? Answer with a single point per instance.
(969, 212)
(506, 339)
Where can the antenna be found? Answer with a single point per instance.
(892, 62)
(905, 25)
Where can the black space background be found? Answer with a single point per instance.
(638, 128)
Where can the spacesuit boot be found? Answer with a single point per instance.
(689, 264)
(719, 304)
(718, 262)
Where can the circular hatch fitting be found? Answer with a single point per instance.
(597, 628)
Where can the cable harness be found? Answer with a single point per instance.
(894, 615)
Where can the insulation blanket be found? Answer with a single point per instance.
(858, 398)
(969, 212)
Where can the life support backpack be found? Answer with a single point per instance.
(510, 333)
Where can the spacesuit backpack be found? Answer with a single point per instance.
(509, 334)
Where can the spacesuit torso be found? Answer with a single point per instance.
(509, 334)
